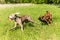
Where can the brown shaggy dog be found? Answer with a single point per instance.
(47, 18)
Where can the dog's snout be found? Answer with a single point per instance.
(10, 18)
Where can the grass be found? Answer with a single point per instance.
(36, 32)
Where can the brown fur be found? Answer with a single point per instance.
(47, 18)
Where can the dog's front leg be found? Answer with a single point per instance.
(21, 27)
(14, 26)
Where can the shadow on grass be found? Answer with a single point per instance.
(28, 24)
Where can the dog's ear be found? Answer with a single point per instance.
(15, 14)
(47, 11)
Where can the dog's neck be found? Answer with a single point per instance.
(16, 17)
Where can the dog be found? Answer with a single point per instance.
(20, 20)
(47, 18)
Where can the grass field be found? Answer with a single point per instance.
(31, 31)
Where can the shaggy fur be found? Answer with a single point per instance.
(47, 18)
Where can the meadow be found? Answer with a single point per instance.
(31, 31)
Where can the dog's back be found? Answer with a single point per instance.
(26, 18)
(23, 17)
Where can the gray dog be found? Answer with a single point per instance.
(20, 20)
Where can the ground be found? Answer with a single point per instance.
(31, 31)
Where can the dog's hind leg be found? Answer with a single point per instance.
(33, 21)
(30, 19)
(21, 25)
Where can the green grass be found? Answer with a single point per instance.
(36, 32)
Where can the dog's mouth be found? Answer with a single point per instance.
(10, 18)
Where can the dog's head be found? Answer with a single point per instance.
(12, 16)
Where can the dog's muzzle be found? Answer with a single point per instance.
(10, 18)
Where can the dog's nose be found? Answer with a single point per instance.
(9, 18)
